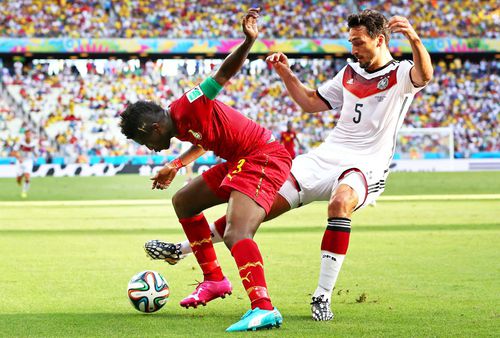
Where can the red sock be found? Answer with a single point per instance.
(250, 265)
(198, 233)
(220, 225)
(336, 236)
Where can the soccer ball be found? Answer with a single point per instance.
(148, 291)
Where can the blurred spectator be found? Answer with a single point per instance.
(78, 111)
(281, 19)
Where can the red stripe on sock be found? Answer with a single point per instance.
(251, 268)
(335, 241)
(198, 233)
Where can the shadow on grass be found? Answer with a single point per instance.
(263, 229)
(110, 324)
(163, 324)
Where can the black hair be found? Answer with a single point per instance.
(375, 23)
(138, 118)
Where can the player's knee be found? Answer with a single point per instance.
(233, 236)
(180, 202)
(342, 203)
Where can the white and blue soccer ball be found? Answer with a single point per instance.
(148, 291)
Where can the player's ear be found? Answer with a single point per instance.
(156, 127)
(380, 40)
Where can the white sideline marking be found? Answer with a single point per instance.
(439, 197)
(84, 203)
(169, 202)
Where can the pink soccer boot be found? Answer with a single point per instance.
(207, 291)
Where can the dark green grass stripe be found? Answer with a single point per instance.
(313, 229)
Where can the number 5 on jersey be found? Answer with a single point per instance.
(237, 170)
(357, 119)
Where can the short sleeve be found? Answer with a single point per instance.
(404, 77)
(332, 91)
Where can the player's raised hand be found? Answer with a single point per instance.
(164, 177)
(280, 62)
(399, 24)
(249, 23)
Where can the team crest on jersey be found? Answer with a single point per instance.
(195, 134)
(194, 93)
(383, 83)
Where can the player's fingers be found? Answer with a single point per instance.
(271, 57)
(398, 25)
(252, 15)
(277, 57)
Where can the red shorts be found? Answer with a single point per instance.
(259, 175)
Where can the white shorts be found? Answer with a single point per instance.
(24, 167)
(318, 178)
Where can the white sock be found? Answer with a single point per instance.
(216, 238)
(26, 186)
(328, 274)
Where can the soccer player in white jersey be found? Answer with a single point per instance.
(25, 155)
(349, 169)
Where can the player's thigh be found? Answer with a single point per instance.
(286, 199)
(279, 207)
(195, 197)
(316, 174)
(244, 217)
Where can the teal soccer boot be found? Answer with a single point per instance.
(257, 319)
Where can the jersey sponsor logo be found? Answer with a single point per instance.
(195, 134)
(194, 93)
(350, 81)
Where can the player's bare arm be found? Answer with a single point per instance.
(422, 71)
(15, 154)
(166, 175)
(305, 97)
(234, 61)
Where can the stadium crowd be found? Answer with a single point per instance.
(74, 110)
(281, 19)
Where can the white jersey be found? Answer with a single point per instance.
(26, 150)
(372, 109)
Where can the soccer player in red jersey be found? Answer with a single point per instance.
(256, 166)
(288, 139)
(350, 167)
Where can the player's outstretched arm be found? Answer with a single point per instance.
(304, 96)
(422, 71)
(166, 175)
(233, 62)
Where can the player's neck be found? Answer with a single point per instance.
(379, 65)
(170, 122)
(384, 58)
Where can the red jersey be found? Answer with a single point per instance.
(288, 140)
(215, 126)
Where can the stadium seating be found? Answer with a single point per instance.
(281, 19)
(78, 114)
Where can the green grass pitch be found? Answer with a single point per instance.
(415, 268)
